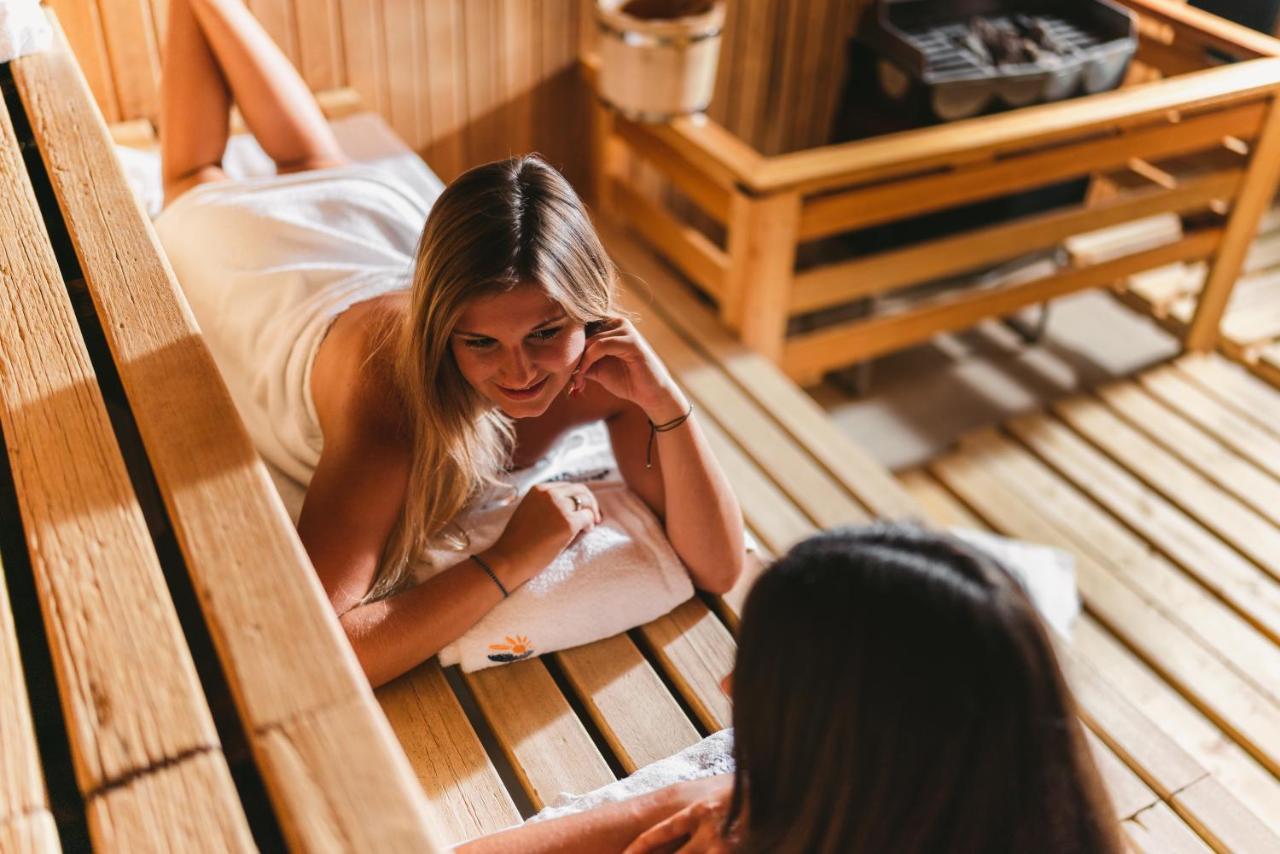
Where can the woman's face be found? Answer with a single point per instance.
(517, 349)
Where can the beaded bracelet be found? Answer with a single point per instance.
(488, 570)
(655, 429)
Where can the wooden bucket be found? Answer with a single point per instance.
(656, 67)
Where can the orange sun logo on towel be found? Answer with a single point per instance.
(515, 649)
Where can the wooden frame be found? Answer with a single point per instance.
(766, 206)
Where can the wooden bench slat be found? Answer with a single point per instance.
(1229, 518)
(1005, 484)
(465, 791)
(1215, 565)
(128, 685)
(538, 731)
(187, 806)
(626, 699)
(1205, 454)
(1158, 830)
(696, 652)
(22, 789)
(1218, 419)
(33, 833)
(778, 396)
(1152, 696)
(225, 512)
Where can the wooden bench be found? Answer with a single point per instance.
(199, 669)
(491, 747)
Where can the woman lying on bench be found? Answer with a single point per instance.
(894, 691)
(401, 369)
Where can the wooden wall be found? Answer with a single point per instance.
(468, 81)
(781, 70)
(462, 81)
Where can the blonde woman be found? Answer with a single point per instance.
(400, 369)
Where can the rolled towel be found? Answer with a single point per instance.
(620, 574)
(23, 29)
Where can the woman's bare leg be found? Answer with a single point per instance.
(273, 98)
(195, 106)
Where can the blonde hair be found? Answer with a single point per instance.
(496, 226)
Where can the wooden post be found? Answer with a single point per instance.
(762, 254)
(1259, 189)
(609, 155)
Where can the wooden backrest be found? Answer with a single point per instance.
(141, 731)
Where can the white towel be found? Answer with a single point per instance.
(23, 29)
(620, 574)
(709, 757)
(1047, 574)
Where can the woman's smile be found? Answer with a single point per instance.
(527, 392)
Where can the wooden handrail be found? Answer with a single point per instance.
(917, 150)
(1208, 29)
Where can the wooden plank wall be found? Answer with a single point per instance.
(462, 81)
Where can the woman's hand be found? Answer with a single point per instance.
(548, 519)
(696, 829)
(623, 363)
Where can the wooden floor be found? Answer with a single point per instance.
(1251, 325)
(1166, 487)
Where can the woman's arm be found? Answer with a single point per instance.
(352, 504)
(685, 485)
(608, 828)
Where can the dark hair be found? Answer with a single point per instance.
(895, 691)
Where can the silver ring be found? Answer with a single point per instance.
(577, 502)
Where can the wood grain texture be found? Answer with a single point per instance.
(186, 806)
(134, 55)
(538, 731)
(22, 789)
(33, 833)
(125, 675)
(226, 514)
(466, 794)
(83, 24)
(626, 699)
(1004, 485)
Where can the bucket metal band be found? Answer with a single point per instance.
(652, 40)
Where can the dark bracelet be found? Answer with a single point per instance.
(488, 570)
(655, 429)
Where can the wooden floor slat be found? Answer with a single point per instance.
(1141, 746)
(1005, 485)
(1253, 785)
(1249, 397)
(1202, 452)
(1218, 419)
(467, 796)
(1228, 517)
(1158, 830)
(1219, 568)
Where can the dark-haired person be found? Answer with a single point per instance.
(895, 691)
